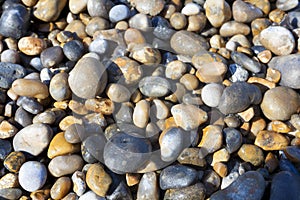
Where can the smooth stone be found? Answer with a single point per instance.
(9, 180)
(30, 104)
(99, 8)
(151, 7)
(121, 192)
(79, 183)
(98, 46)
(118, 93)
(177, 176)
(285, 186)
(178, 21)
(152, 86)
(274, 103)
(59, 146)
(140, 21)
(211, 141)
(191, 156)
(14, 21)
(217, 12)
(175, 69)
(9, 72)
(284, 40)
(246, 62)
(59, 88)
(196, 191)
(191, 9)
(213, 72)
(14, 161)
(196, 23)
(33, 139)
(148, 187)
(245, 12)
(5, 148)
(233, 139)
(30, 88)
(238, 73)
(118, 13)
(160, 109)
(32, 175)
(10, 55)
(293, 18)
(93, 146)
(48, 10)
(31, 46)
(250, 185)
(286, 5)
(211, 94)
(98, 180)
(238, 97)
(145, 54)
(292, 153)
(125, 153)
(125, 114)
(270, 140)
(64, 165)
(251, 153)
(172, 142)
(232, 28)
(90, 195)
(141, 113)
(206, 57)
(60, 188)
(289, 68)
(88, 78)
(77, 6)
(286, 165)
(10, 193)
(7, 130)
(73, 50)
(52, 56)
(23, 117)
(188, 43)
(77, 27)
(220, 156)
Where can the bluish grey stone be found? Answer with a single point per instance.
(238, 73)
(30, 104)
(73, 50)
(10, 72)
(99, 46)
(23, 117)
(93, 146)
(99, 8)
(162, 28)
(5, 148)
(118, 13)
(52, 56)
(246, 62)
(233, 139)
(152, 86)
(10, 193)
(121, 192)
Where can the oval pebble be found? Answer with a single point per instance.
(154, 86)
(64, 165)
(118, 13)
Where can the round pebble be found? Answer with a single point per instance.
(73, 50)
(31, 46)
(211, 94)
(59, 88)
(118, 13)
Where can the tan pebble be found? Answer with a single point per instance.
(145, 54)
(258, 124)
(14, 161)
(170, 122)
(196, 23)
(245, 128)
(13, 96)
(77, 27)
(78, 107)
(7, 130)
(190, 81)
(63, 165)
(40, 194)
(100, 105)
(98, 180)
(141, 114)
(212, 72)
(277, 15)
(160, 109)
(30, 88)
(295, 141)
(24, 198)
(273, 75)
(29, 3)
(232, 28)
(178, 21)
(217, 12)
(48, 10)
(220, 169)
(70, 196)
(132, 179)
(61, 105)
(32, 46)
(217, 42)
(251, 153)
(175, 69)
(77, 6)
(122, 25)
(247, 115)
(67, 121)
(265, 56)
(212, 140)
(244, 50)
(133, 35)
(271, 162)
(262, 81)
(221, 155)
(204, 57)
(270, 140)
(136, 96)
(59, 146)
(60, 188)
(227, 82)
(118, 93)
(168, 11)
(9, 180)
(280, 126)
(224, 52)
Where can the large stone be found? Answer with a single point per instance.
(49, 10)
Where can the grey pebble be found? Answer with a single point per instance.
(10, 56)
(10, 193)
(30, 104)
(23, 117)
(118, 13)
(10, 72)
(73, 50)
(52, 56)
(238, 73)
(233, 139)
(154, 86)
(246, 62)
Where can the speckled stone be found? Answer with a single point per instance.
(48, 10)
(79, 184)
(191, 156)
(32, 175)
(251, 153)
(101, 105)
(9, 180)
(73, 50)
(196, 191)
(270, 140)
(31, 46)
(99, 8)
(7, 130)
(233, 139)
(154, 86)
(118, 93)
(63, 165)
(60, 188)
(232, 28)
(148, 187)
(14, 161)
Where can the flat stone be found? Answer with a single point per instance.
(177, 176)
(60, 188)
(152, 7)
(212, 73)
(274, 101)
(205, 57)
(250, 185)
(148, 187)
(251, 153)
(33, 139)
(32, 175)
(196, 191)
(246, 62)
(47, 10)
(64, 165)
(14, 161)
(270, 140)
(217, 12)
(9, 73)
(212, 140)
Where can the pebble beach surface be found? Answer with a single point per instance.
(149, 99)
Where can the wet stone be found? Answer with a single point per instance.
(73, 50)
(14, 161)
(63, 165)
(9, 73)
(177, 176)
(32, 175)
(48, 10)
(250, 185)
(270, 140)
(52, 56)
(196, 191)
(5, 148)
(148, 187)
(60, 188)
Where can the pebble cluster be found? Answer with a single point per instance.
(149, 99)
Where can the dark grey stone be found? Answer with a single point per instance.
(73, 50)
(233, 139)
(10, 72)
(5, 148)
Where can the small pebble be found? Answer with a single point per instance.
(154, 86)
(7, 130)
(196, 191)
(118, 13)
(270, 140)
(211, 141)
(73, 50)
(217, 12)
(52, 56)
(211, 94)
(60, 188)
(151, 7)
(59, 88)
(47, 10)
(32, 46)
(14, 161)
(148, 187)
(251, 153)
(5, 148)
(79, 184)
(63, 165)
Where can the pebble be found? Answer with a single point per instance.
(90, 195)
(89, 76)
(118, 13)
(98, 180)
(118, 93)
(292, 153)
(64, 165)
(31, 46)
(140, 21)
(126, 153)
(92, 147)
(171, 143)
(191, 9)
(5, 148)
(30, 88)
(211, 141)
(196, 23)
(293, 18)
(73, 50)
(152, 86)
(221, 155)
(271, 162)
(151, 7)
(285, 185)
(177, 176)
(188, 43)
(30, 104)
(59, 88)
(259, 24)
(98, 8)
(232, 28)
(233, 139)
(238, 73)
(32, 175)
(211, 181)
(205, 57)
(246, 62)
(77, 27)
(7, 130)
(148, 187)
(52, 56)
(245, 12)
(238, 97)
(79, 184)
(251, 153)
(160, 109)
(9, 72)
(286, 5)
(145, 54)
(10, 193)
(295, 121)
(14, 161)
(190, 81)
(10, 56)
(213, 72)
(270, 140)
(285, 42)
(98, 46)
(192, 115)
(196, 191)
(175, 69)
(9, 180)
(33, 139)
(274, 101)
(77, 6)
(48, 10)
(218, 12)
(211, 94)
(14, 21)
(178, 21)
(289, 69)
(250, 185)
(122, 191)
(60, 188)
(141, 113)
(23, 117)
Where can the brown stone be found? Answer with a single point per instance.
(271, 162)
(67, 121)
(220, 169)
(78, 107)
(132, 179)
(60, 188)
(270, 141)
(259, 24)
(32, 46)
(277, 15)
(262, 81)
(30, 88)
(190, 81)
(258, 124)
(14, 161)
(251, 153)
(190, 156)
(100, 105)
(40, 194)
(7, 130)
(178, 21)
(217, 12)
(247, 115)
(265, 56)
(221, 155)
(279, 126)
(212, 140)
(232, 28)
(49, 10)
(273, 75)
